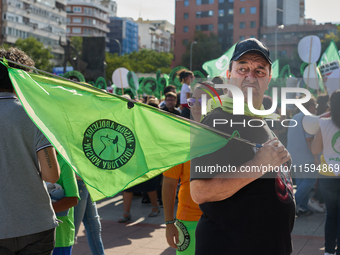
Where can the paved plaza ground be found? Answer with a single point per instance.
(146, 236)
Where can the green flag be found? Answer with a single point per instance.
(112, 143)
(331, 54)
(275, 69)
(219, 66)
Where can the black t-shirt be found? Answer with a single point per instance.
(259, 218)
(175, 111)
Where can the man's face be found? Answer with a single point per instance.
(170, 102)
(251, 70)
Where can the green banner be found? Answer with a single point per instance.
(112, 143)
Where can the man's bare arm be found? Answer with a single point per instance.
(50, 170)
(272, 153)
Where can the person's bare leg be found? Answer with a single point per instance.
(154, 202)
(127, 200)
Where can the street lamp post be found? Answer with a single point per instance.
(279, 27)
(194, 42)
(120, 46)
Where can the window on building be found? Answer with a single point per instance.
(68, 20)
(220, 26)
(76, 20)
(88, 31)
(186, 3)
(221, 1)
(242, 38)
(68, 30)
(68, 9)
(185, 42)
(253, 36)
(198, 2)
(220, 13)
(231, 1)
(211, 27)
(76, 9)
(231, 11)
(186, 15)
(282, 53)
(252, 10)
(76, 30)
(242, 10)
(252, 24)
(88, 10)
(88, 21)
(185, 29)
(198, 27)
(211, 1)
(204, 14)
(230, 25)
(242, 25)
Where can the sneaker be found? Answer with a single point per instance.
(314, 204)
(323, 206)
(327, 253)
(303, 212)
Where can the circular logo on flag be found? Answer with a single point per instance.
(183, 236)
(108, 145)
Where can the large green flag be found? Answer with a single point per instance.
(331, 54)
(112, 143)
(219, 66)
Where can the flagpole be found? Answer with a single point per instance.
(310, 55)
(132, 102)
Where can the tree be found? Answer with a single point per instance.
(207, 48)
(328, 38)
(144, 61)
(77, 43)
(37, 51)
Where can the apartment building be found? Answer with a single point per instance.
(231, 20)
(87, 18)
(44, 20)
(155, 35)
(123, 36)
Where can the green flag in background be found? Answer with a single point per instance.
(275, 69)
(331, 54)
(109, 145)
(219, 66)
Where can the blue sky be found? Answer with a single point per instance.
(322, 11)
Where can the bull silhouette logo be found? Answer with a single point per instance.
(109, 145)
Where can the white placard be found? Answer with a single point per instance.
(119, 78)
(309, 49)
(310, 76)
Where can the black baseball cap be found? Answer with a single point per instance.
(250, 45)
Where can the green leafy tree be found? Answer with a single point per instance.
(144, 61)
(77, 43)
(207, 48)
(37, 51)
(328, 38)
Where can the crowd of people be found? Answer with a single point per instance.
(218, 212)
